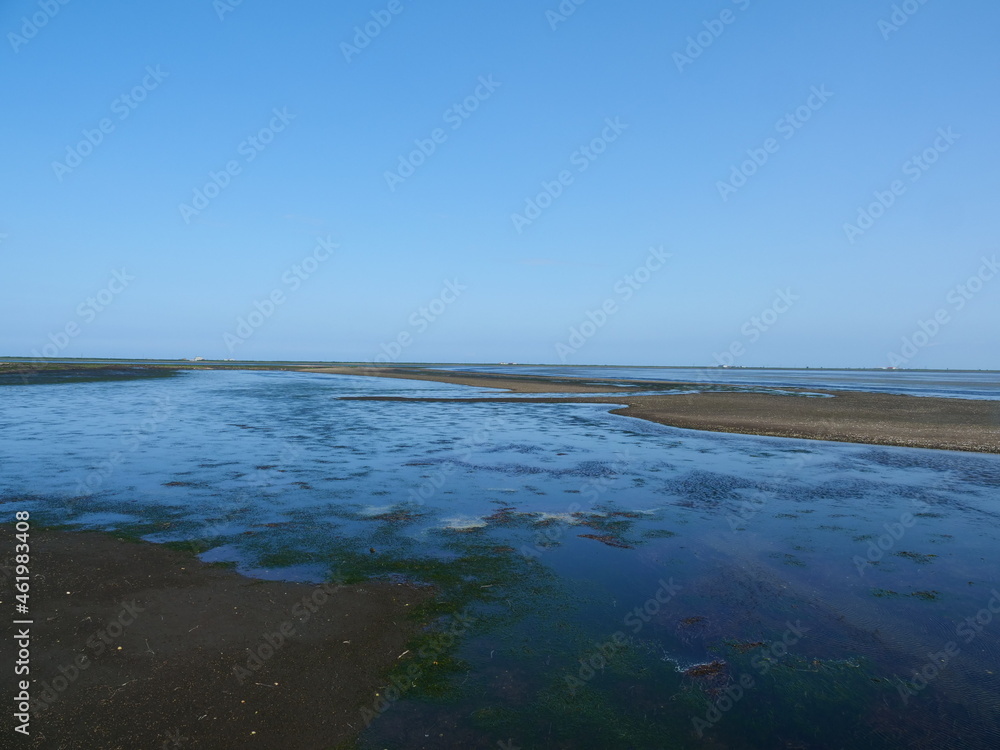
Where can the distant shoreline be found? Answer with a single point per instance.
(278, 364)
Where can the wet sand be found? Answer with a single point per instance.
(166, 642)
(849, 416)
(512, 383)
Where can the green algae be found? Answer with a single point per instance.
(658, 533)
(787, 558)
(885, 593)
(918, 558)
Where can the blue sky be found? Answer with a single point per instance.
(631, 116)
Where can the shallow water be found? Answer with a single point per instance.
(545, 527)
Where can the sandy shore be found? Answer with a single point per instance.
(849, 416)
(136, 645)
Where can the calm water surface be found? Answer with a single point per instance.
(605, 582)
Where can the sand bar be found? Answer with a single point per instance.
(846, 416)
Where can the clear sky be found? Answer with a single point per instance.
(477, 180)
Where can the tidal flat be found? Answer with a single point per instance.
(581, 579)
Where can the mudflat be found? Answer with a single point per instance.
(136, 645)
